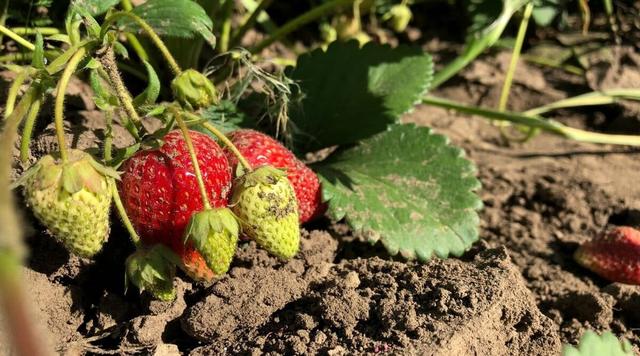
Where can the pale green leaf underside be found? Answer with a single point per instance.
(174, 18)
(592, 344)
(96, 7)
(350, 93)
(408, 188)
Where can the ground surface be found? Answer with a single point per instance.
(517, 291)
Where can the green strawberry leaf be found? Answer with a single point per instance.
(545, 11)
(174, 18)
(152, 269)
(349, 93)
(95, 7)
(225, 116)
(481, 14)
(408, 188)
(592, 344)
(152, 91)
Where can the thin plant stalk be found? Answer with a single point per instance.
(225, 140)
(604, 97)
(131, 38)
(608, 8)
(477, 45)
(58, 111)
(543, 61)
(14, 36)
(250, 21)
(14, 89)
(157, 41)
(299, 21)
(538, 122)
(508, 80)
(137, 47)
(194, 159)
(4, 10)
(27, 130)
(225, 32)
(585, 12)
(109, 64)
(25, 56)
(31, 31)
(515, 56)
(263, 17)
(135, 238)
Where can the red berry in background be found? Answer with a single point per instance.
(260, 149)
(614, 255)
(160, 193)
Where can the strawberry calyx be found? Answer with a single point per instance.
(80, 172)
(262, 175)
(152, 269)
(399, 16)
(214, 233)
(194, 90)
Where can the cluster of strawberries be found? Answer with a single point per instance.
(164, 202)
(161, 195)
(265, 197)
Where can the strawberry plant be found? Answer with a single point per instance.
(398, 184)
(237, 150)
(178, 188)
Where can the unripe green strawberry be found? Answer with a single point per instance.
(193, 89)
(265, 204)
(399, 17)
(72, 200)
(346, 27)
(152, 269)
(328, 33)
(214, 234)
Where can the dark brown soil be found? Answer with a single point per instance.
(517, 291)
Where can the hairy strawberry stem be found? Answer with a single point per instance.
(58, 111)
(229, 144)
(108, 61)
(194, 158)
(108, 136)
(157, 41)
(130, 125)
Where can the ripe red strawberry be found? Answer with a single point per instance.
(160, 193)
(614, 255)
(260, 150)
